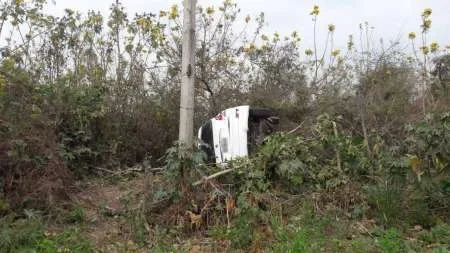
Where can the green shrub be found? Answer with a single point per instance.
(391, 242)
(428, 146)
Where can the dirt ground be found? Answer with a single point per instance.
(103, 203)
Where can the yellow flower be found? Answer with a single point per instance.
(309, 52)
(335, 52)
(315, 11)
(210, 10)
(434, 47)
(427, 12)
(331, 27)
(173, 12)
(425, 50)
(227, 3)
(250, 48)
(426, 25)
(143, 23)
(412, 35)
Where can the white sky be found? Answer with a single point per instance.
(391, 18)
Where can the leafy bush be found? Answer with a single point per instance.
(324, 161)
(428, 146)
(80, 126)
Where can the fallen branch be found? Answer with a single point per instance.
(297, 128)
(155, 169)
(205, 179)
(105, 170)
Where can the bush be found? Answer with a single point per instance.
(33, 171)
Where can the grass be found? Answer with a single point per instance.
(76, 215)
(391, 241)
(29, 234)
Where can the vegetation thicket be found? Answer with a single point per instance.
(89, 106)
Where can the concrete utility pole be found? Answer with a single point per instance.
(186, 136)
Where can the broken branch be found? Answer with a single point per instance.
(220, 173)
(297, 128)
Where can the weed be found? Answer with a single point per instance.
(441, 250)
(437, 234)
(387, 200)
(303, 234)
(76, 215)
(29, 235)
(4, 206)
(441, 233)
(70, 240)
(18, 234)
(391, 242)
(361, 245)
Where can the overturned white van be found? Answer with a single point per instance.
(235, 132)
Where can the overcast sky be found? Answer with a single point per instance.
(391, 18)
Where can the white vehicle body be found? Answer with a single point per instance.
(235, 132)
(229, 130)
